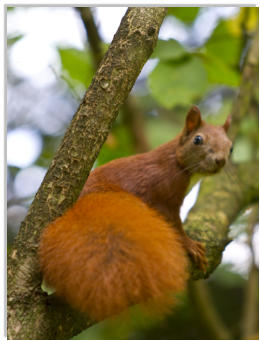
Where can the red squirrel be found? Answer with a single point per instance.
(122, 242)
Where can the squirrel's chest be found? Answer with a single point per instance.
(166, 196)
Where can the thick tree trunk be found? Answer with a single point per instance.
(31, 314)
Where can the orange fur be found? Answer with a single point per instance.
(111, 251)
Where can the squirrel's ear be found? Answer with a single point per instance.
(193, 119)
(227, 123)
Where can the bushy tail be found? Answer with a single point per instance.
(111, 251)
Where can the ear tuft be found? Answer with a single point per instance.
(227, 123)
(193, 119)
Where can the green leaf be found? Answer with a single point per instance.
(221, 73)
(247, 19)
(168, 50)
(224, 45)
(186, 14)
(12, 40)
(178, 82)
(77, 64)
(47, 288)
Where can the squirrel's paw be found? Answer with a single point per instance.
(196, 251)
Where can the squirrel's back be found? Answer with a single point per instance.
(112, 251)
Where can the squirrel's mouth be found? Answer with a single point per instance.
(209, 167)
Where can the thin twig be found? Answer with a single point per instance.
(94, 39)
(204, 308)
(251, 296)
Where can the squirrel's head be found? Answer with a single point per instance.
(203, 148)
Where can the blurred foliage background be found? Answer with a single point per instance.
(198, 60)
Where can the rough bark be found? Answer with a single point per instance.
(31, 314)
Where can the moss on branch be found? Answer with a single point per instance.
(221, 198)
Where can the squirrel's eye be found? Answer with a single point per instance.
(231, 150)
(198, 140)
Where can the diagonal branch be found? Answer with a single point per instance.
(30, 316)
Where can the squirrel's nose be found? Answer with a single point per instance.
(220, 162)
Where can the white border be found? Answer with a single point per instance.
(51, 3)
(119, 3)
(3, 229)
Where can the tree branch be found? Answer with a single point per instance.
(251, 306)
(133, 118)
(251, 296)
(30, 315)
(221, 199)
(94, 39)
(205, 309)
(248, 90)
